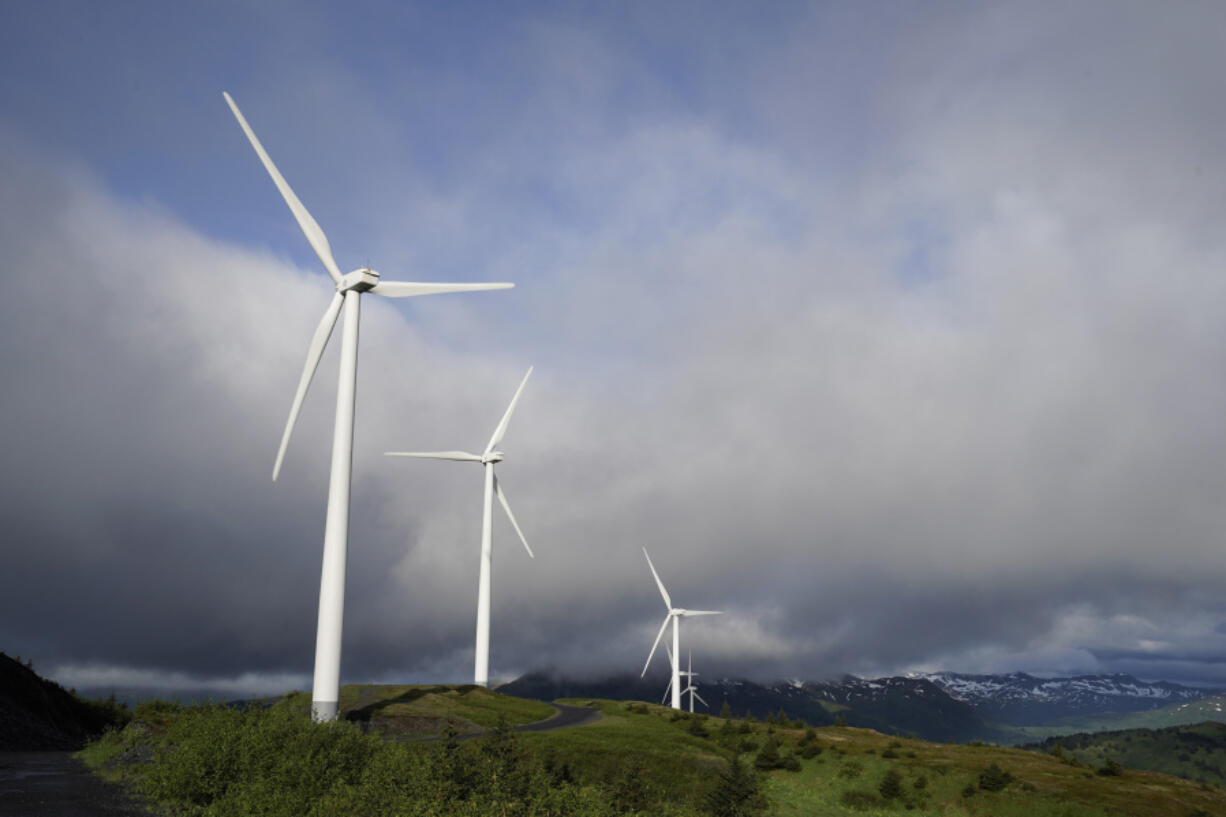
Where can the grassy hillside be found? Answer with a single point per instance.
(1196, 752)
(428, 710)
(637, 759)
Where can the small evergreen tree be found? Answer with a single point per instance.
(737, 792)
(994, 778)
(768, 755)
(1111, 768)
(891, 785)
(725, 711)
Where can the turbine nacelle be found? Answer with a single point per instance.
(363, 279)
(682, 613)
(491, 456)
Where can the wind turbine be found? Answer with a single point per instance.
(349, 289)
(675, 614)
(481, 668)
(693, 687)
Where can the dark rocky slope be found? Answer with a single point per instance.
(40, 715)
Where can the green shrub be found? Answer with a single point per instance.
(851, 770)
(212, 761)
(862, 799)
(891, 785)
(994, 778)
(809, 750)
(768, 755)
(231, 759)
(1111, 768)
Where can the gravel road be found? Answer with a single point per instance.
(55, 784)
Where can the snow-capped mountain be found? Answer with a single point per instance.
(1021, 699)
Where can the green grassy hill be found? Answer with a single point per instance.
(638, 759)
(1194, 752)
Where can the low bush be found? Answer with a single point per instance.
(994, 778)
(862, 799)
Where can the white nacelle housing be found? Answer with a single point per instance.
(360, 280)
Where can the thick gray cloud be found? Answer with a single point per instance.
(906, 359)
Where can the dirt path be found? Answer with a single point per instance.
(54, 784)
(567, 716)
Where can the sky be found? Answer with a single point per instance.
(894, 330)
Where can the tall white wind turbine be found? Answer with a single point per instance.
(349, 289)
(675, 614)
(491, 455)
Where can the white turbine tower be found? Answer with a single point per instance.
(349, 289)
(675, 614)
(481, 661)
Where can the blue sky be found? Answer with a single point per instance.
(895, 330)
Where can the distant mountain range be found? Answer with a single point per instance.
(943, 706)
(1019, 699)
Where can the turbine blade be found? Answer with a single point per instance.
(702, 612)
(664, 697)
(667, 601)
(462, 456)
(314, 234)
(652, 654)
(506, 418)
(314, 352)
(506, 506)
(405, 289)
(699, 697)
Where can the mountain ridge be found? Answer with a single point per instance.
(1021, 699)
(946, 706)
